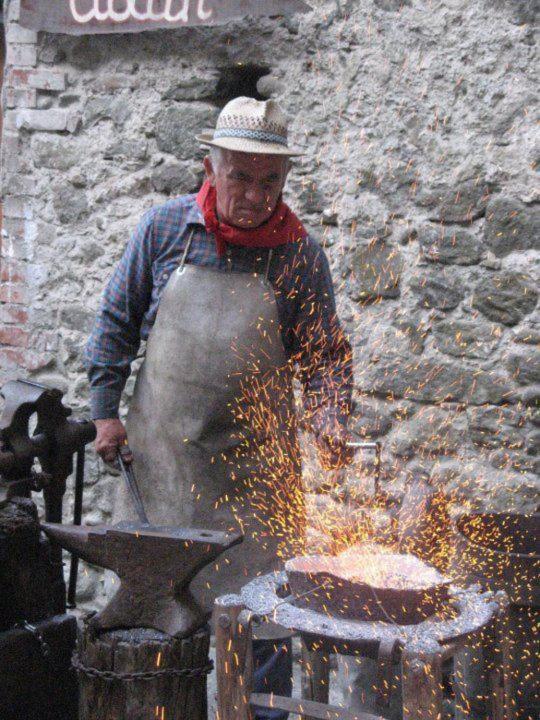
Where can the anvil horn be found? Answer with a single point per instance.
(155, 566)
(74, 538)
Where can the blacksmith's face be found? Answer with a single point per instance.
(247, 186)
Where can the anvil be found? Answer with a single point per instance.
(155, 566)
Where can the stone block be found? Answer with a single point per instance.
(13, 336)
(13, 227)
(506, 297)
(461, 203)
(11, 158)
(14, 293)
(430, 380)
(132, 150)
(369, 421)
(511, 226)
(430, 432)
(436, 291)
(47, 80)
(18, 184)
(414, 329)
(13, 314)
(54, 152)
(173, 178)
(467, 338)
(16, 207)
(20, 97)
(17, 34)
(19, 54)
(524, 366)
(176, 127)
(391, 5)
(310, 198)
(493, 427)
(481, 488)
(12, 271)
(10, 145)
(104, 107)
(77, 317)
(10, 121)
(192, 88)
(12, 11)
(376, 271)
(70, 203)
(12, 358)
(446, 246)
(52, 120)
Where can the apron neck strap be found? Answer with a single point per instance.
(186, 250)
(268, 261)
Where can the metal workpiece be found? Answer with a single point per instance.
(155, 566)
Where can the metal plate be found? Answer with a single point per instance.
(83, 17)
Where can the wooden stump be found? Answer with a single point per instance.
(37, 638)
(139, 674)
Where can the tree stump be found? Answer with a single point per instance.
(37, 638)
(139, 673)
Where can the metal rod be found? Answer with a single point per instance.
(77, 517)
(370, 446)
(133, 488)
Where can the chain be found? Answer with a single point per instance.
(33, 630)
(111, 675)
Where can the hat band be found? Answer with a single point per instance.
(250, 135)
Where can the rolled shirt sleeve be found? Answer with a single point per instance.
(116, 337)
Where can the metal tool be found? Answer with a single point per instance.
(370, 446)
(131, 482)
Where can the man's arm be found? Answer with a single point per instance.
(324, 357)
(115, 338)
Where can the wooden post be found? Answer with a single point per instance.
(315, 676)
(111, 684)
(234, 658)
(504, 690)
(422, 685)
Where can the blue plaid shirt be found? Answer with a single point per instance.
(299, 274)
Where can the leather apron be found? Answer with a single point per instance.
(212, 424)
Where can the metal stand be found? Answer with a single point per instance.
(473, 619)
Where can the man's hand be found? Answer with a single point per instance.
(333, 451)
(111, 436)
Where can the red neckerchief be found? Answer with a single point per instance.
(282, 227)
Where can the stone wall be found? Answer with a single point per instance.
(417, 119)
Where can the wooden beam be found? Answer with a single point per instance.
(318, 711)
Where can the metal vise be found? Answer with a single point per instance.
(54, 442)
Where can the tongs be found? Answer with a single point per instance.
(131, 483)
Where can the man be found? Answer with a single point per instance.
(231, 292)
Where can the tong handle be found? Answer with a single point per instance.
(131, 483)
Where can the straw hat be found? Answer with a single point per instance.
(252, 126)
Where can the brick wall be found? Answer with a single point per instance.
(23, 89)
